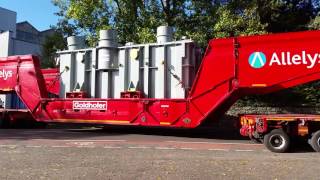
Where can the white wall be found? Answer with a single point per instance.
(6, 44)
(8, 21)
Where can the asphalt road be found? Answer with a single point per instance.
(146, 153)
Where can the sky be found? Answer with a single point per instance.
(38, 12)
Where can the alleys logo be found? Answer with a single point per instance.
(5, 74)
(259, 60)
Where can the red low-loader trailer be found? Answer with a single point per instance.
(231, 68)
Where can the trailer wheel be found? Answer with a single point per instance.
(277, 141)
(315, 141)
(2, 122)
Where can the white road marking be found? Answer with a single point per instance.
(83, 140)
(8, 145)
(85, 146)
(225, 150)
(244, 150)
(139, 147)
(165, 148)
(60, 146)
(186, 148)
(93, 140)
(33, 132)
(82, 143)
(202, 142)
(32, 146)
(112, 147)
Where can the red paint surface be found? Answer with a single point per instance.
(51, 77)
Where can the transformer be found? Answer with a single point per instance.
(164, 69)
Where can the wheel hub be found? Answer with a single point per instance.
(277, 141)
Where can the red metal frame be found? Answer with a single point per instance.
(224, 76)
(51, 77)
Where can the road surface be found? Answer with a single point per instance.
(144, 153)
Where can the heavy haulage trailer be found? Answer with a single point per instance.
(231, 68)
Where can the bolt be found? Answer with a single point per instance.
(187, 120)
(143, 119)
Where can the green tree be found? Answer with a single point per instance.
(51, 45)
(64, 25)
(199, 19)
(136, 21)
(287, 15)
(315, 23)
(239, 20)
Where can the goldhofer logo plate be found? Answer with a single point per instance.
(90, 105)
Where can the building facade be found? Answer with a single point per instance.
(19, 38)
(8, 21)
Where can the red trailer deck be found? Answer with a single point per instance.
(231, 68)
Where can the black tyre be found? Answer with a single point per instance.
(2, 123)
(315, 141)
(277, 141)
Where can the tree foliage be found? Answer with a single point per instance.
(287, 15)
(64, 24)
(136, 21)
(200, 19)
(51, 45)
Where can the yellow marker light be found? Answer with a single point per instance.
(242, 121)
(259, 85)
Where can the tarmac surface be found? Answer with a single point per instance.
(117, 152)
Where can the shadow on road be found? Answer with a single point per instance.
(58, 131)
(223, 129)
(201, 132)
(300, 145)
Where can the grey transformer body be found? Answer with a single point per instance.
(165, 69)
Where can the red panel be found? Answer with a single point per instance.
(291, 59)
(167, 112)
(51, 77)
(121, 111)
(216, 67)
